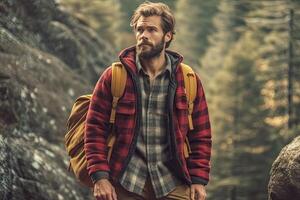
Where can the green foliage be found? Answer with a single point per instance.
(228, 24)
(193, 26)
(242, 138)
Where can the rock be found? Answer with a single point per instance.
(41, 24)
(30, 173)
(10, 44)
(64, 44)
(284, 182)
(48, 59)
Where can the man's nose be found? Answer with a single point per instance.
(145, 35)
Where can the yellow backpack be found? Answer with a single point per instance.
(74, 138)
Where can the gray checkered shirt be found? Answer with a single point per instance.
(152, 150)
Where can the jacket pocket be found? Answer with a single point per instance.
(125, 114)
(123, 127)
(182, 113)
(182, 117)
(126, 108)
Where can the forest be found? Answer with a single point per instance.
(247, 53)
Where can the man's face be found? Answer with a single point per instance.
(150, 37)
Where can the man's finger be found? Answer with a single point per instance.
(114, 194)
(201, 195)
(204, 196)
(96, 192)
(109, 196)
(192, 193)
(196, 195)
(102, 196)
(98, 196)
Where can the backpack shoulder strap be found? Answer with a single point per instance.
(190, 85)
(118, 83)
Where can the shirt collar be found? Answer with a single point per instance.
(168, 67)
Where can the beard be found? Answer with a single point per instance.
(155, 50)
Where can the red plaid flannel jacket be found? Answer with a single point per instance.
(194, 169)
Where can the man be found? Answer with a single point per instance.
(151, 123)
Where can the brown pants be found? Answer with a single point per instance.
(181, 192)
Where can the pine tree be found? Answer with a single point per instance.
(193, 26)
(294, 64)
(274, 22)
(220, 41)
(243, 139)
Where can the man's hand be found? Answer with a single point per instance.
(103, 190)
(198, 192)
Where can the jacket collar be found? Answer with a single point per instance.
(128, 56)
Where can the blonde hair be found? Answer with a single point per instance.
(148, 9)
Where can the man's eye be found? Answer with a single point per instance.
(151, 29)
(139, 30)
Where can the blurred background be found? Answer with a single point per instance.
(245, 51)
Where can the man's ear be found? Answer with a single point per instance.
(168, 36)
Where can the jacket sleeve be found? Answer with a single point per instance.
(97, 128)
(200, 139)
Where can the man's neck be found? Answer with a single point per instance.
(155, 65)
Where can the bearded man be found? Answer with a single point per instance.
(147, 160)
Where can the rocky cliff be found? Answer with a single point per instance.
(47, 59)
(284, 182)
